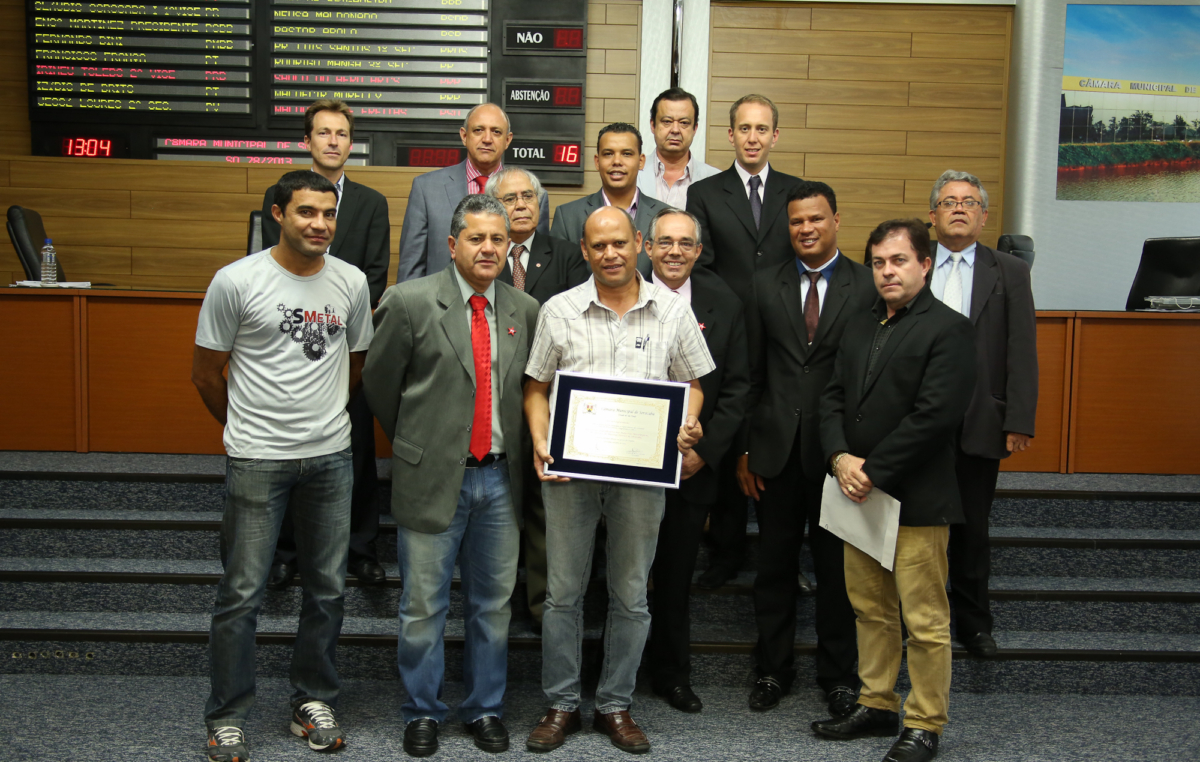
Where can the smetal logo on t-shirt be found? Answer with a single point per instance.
(311, 329)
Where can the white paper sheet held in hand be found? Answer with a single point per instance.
(870, 526)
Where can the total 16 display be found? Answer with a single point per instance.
(228, 81)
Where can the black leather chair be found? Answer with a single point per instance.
(1169, 267)
(1020, 246)
(254, 237)
(28, 235)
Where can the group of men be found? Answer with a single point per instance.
(914, 374)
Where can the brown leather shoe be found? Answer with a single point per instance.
(553, 730)
(622, 731)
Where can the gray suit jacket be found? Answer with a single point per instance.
(431, 204)
(420, 381)
(569, 219)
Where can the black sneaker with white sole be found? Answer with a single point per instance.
(227, 744)
(314, 720)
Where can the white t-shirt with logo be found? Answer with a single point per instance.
(289, 369)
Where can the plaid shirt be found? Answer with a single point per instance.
(658, 339)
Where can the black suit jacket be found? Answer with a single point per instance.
(363, 236)
(733, 247)
(554, 266)
(905, 419)
(720, 315)
(1006, 363)
(787, 373)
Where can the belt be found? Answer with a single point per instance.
(489, 459)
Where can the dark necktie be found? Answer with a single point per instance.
(482, 181)
(481, 347)
(517, 268)
(812, 304)
(755, 201)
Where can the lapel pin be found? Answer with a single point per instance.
(512, 331)
(539, 264)
(701, 326)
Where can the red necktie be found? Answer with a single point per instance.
(481, 347)
(482, 181)
(518, 271)
(812, 304)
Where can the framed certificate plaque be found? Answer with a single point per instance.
(616, 429)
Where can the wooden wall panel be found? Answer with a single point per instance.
(38, 407)
(146, 221)
(1049, 450)
(870, 97)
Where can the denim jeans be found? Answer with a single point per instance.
(256, 494)
(484, 536)
(573, 510)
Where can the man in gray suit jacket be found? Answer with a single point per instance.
(991, 288)
(618, 159)
(446, 387)
(486, 133)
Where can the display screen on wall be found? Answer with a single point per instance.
(1129, 128)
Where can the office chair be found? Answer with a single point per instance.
(28, 235)
(254, 238)
(1169, 267)
(1020, 246)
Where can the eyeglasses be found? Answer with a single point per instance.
(687, 246)
(511, 198)
(950, 204)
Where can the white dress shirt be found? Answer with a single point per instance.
(528, 244)
(742, 173)
(941, 270)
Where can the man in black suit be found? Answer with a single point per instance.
(795, 321)
(742, 213)
(673, 246)
(363, 240)
(541, 266)
(901, 383)
(992, 288)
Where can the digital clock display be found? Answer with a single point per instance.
(92, 148)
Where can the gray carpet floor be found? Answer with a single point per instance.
(98, 719)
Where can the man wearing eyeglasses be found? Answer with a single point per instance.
(674, 246)
(672, 169)
(541, 266)
(992, 288)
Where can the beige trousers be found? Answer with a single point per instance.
(917, 587)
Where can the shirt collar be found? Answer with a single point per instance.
(879, 310)
(742, 173)
(684, 291)
(637, 196)
(826, 269)
(943, 255)
(472, 172)
(648, 293)
(527, 243)
(340, 184)
(467, 290)
(659, 167)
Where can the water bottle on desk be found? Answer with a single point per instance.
(49, 264)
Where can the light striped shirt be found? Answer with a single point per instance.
(657, 339)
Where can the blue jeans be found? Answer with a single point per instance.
(256, 494)
(485, 538)
(573, 510)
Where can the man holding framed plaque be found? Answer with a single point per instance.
(617, 328)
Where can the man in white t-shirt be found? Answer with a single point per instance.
(293, 325)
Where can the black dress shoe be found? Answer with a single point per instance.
(368, 572)
(682, 698)
(807, 586)
(981, 644)
(842, 701)
(766, 694)
(281, 575)
(716, 576)
(863, 721)
(489, 733)
(913, 746)
(420, 737)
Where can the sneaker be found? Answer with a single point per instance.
(227, 744)
(314, 721)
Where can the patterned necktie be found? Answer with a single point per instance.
(518, 269)
(952, 295)
(812, 304)
(481, 347)
(755, 201)
(482, 181)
